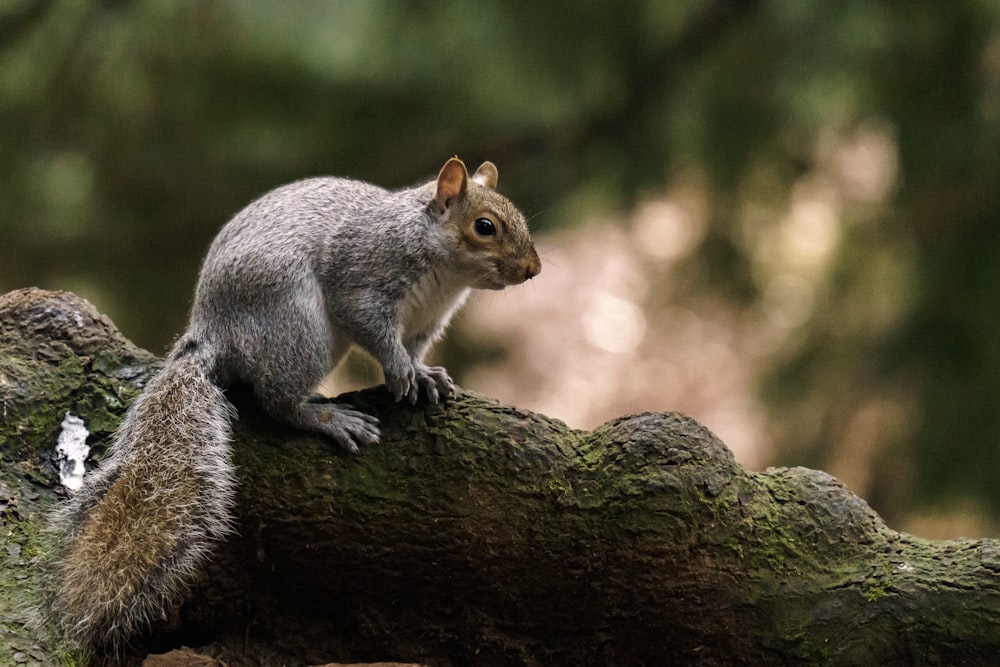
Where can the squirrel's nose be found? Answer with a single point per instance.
(532, 268)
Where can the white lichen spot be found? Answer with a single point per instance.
(72, 451)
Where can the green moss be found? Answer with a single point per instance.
(20, 549)
(872, 592)
(371, 482)
(878, 584)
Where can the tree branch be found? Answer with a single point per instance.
(481, 533)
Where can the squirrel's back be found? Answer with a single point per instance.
(313, 216)
(340, 232)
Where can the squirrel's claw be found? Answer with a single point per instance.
(436, 382)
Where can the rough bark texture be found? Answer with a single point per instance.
(478, 533)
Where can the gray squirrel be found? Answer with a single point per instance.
(288, 285)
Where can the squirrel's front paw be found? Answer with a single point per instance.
(435, 381)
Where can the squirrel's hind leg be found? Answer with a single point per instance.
(347, 426)
(289, 366)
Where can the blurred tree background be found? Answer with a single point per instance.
(835, 166)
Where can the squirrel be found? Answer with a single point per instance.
(289, 284)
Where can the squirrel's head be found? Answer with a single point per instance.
(493, 245)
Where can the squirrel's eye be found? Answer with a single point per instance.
(485, 227)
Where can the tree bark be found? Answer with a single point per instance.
(478, 533)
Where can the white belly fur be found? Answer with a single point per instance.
(430, 302)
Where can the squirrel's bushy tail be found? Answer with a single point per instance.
(133, 538)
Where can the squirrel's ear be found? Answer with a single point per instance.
(452, 183)
(486, 175)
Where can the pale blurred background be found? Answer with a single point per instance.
(781, 217)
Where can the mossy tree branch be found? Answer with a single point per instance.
(480, 533)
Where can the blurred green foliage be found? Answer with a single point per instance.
(130, 130)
